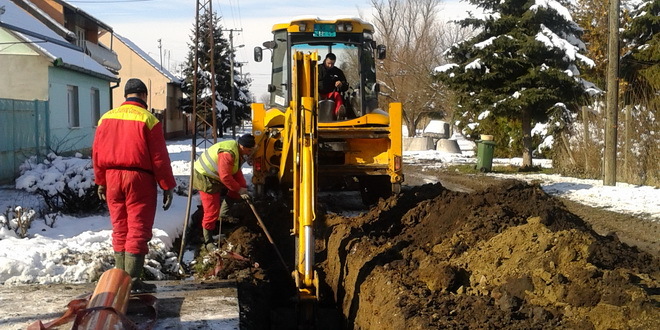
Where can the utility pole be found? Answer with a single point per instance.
(241, 68)
(160, 50)
(609, 161)
(201, 126)
(231, 80)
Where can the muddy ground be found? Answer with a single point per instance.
(485, 253)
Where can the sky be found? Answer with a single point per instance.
(173, 21)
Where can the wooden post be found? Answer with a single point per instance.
(626, 151)
(609, 165)
(585, 128)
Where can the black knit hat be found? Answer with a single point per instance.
(134, 85)
(247, 141)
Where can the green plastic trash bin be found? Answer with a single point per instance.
(485, 150)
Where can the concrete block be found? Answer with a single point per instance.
(418, 144)
(446, 145)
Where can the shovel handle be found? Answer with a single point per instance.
(263, 226)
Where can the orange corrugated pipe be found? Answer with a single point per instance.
(113, 290)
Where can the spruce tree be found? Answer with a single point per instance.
(521, 68)
(640, 67)
(592, 16)
(223, 92)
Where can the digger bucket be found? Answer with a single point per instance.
(326, 111)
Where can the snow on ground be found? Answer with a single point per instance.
(76, 250)
(642, 201)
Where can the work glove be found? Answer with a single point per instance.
(248, 159)
(246, 197)
(167, 199)
(244, 193)
(101, 192)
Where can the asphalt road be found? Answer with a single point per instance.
(180, 305)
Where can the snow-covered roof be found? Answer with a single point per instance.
(83, 13)
(53, 24)
(60, 55)
(147, 58)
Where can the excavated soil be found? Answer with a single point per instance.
(506, 256)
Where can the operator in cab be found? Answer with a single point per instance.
(332, 83)
(218, 177)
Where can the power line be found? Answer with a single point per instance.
(107, 1)
(233, 19)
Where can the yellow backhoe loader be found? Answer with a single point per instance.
(303, 147)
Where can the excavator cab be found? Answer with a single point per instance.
(359, 149)
(356, 57)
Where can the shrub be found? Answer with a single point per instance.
(638, 152)
(66, 184)
(18, 220)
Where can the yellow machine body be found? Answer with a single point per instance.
(301, 149)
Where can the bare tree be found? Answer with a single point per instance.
(415, 37)
(264, 98)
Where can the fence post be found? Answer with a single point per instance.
(585, 128)
(47, 124)
(36, 130)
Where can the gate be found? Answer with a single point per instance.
(24, 132)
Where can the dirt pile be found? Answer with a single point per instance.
(510, 256)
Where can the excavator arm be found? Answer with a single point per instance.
(303, 130)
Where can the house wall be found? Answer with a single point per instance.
(52, 8)
(177, 122)
(64, 138)
(24, 72)
(163, 98)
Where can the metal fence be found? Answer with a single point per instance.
(24, 132)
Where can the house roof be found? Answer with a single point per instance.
(50, 44)
(51, 23)
(84, 14)
(147, 58)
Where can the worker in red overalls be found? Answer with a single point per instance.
(217, 176)
(130, 158)
(332, 83)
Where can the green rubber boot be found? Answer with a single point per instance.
(119, 260)
(133, 266)
(209, 244)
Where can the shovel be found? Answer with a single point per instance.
(247, 199)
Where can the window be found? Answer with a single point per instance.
(72, 104)
(95, 106)
(80, 33)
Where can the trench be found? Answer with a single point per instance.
(506, 256)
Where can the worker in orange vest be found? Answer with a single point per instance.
(217, 176)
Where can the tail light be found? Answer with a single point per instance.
(257, 164)
(398, 160)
